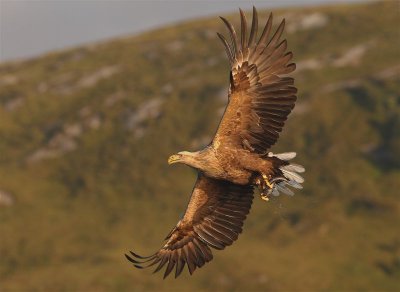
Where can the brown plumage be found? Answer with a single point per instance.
(260, 99)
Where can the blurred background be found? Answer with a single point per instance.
(95, 96)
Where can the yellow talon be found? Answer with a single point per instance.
(265, 198)
(263, 184)
(267, 181)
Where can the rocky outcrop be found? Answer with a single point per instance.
(305, 22)
(99, 74)
(66, 84)
(309, 64)
(14, 103)
(175, 46)
(6, 198)
(8, 80)
(352, 57)
(135, 120)
(114, 98)
(66, 139)
(60, 144)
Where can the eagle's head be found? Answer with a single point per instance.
(193, 159)
(182, 157)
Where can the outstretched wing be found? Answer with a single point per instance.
(214, 218)
(260, 95)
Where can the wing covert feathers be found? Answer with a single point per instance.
(260, 96)
(213, 219)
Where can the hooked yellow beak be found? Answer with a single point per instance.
(174, 158)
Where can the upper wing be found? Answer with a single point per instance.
(214, 218)
(260, 97)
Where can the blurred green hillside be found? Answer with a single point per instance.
(85, 135)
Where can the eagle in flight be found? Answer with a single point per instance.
(260, 98)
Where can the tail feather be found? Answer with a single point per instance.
(281, 186)
(283, 156)
(291, 176)
(294, 168)
(295, 185)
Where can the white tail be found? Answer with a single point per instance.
(291, 176)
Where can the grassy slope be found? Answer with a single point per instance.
(75, 215)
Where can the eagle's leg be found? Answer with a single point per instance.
(264, 186)
(264, 196)
(263, 169)
(270, 185)
(274, 173)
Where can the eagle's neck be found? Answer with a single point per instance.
(202, 160)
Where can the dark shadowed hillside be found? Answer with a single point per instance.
(85, 135)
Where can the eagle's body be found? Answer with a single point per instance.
(238, 166)
(260, 98)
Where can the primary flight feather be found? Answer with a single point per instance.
(260, 98)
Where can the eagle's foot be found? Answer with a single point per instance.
(265, 187)
(265, 196)
(266, 181)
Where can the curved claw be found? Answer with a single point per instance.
(267, 182)
(266, 185)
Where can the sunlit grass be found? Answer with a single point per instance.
(75, 216)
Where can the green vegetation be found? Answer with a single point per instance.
(85, 135)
